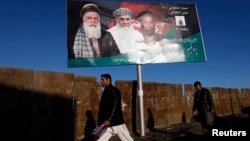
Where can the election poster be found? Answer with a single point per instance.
(112, 33)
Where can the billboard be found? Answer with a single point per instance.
(110, 33)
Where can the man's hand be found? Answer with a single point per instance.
(212, 111)
(194, 112)
(106, 122)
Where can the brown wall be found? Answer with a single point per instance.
(52, 105)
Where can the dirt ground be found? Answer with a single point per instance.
(193, 131)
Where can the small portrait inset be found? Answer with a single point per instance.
(180, 20)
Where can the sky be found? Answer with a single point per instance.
(33, 35)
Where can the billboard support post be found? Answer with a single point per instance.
(140, 95)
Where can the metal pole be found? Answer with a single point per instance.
(140, 95)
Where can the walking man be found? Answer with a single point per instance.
(110, 111)
(203, 107)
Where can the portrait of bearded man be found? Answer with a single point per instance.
(90, 40)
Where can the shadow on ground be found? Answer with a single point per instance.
(193, 131)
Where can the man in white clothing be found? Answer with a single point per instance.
(127, 38)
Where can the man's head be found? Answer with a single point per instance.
(197, 85)
(123, 17)
(90, 7)
(106, 80)
(147, 20)
(90, 14)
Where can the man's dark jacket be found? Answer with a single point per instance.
(110, 107)
(203, 101)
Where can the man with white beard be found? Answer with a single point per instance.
(127, 38)
(89, 40)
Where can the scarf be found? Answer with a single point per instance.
(82, 45)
